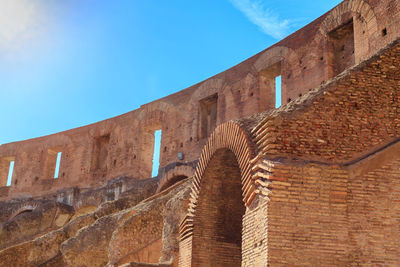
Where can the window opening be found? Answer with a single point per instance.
(278, 91)
(270, 86)
(208, 115)
(10, 173)
(52, 163)
(156, 153)
(100, 153)
(57, 169)
(342, 48)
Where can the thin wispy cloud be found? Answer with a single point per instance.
(16, 17)
(268, 21)
(21, 22)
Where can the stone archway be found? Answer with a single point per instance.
(217, 235)
(211, 233)
(335, 18)
(362, 23)
(22, 209)
(174, 175)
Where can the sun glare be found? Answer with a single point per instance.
(19, 21)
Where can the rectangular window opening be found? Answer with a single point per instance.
(341, 42)
(156, 153)
(57, 169)
(10, 173)
(100, 153)
(270, 87)
(278, 91)
(208, 115)
(52, 163)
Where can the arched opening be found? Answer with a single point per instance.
(21, 211)
(217, 232)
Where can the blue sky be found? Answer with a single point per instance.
(64, 64)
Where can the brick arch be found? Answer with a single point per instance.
(207, 88)
(159, 106)
(22, 209)
(174, 175)
(232, 137)
(335, 18)
(155, 115)
(272, 56)
(217, 235)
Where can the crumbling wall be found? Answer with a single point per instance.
(123, 145)
(345, 119)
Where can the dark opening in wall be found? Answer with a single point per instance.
(341, 42)
(217, 232)
(100, 152)
(156, 152)
(208, 115)
(270, 83)
(384, 32)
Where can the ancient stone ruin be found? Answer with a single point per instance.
(315, 182)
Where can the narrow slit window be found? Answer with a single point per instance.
(278, 91)
(10, 173)
(156, 153)
(57, 169)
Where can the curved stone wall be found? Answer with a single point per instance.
(123, 145)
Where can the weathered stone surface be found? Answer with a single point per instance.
(147, 235)
(78, 223)
(75, 237)
(123, 146)
(27, 224)
(313, 183)
(173, 213)
(124, 235)
(35, 252)
(141, 191)
(89, 246)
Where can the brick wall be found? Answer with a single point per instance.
(217, 234)
(374, 210)
(255, 234)
(351, 116)
(304, 59)
(185, 252)
(322, 215)
(307, 216)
